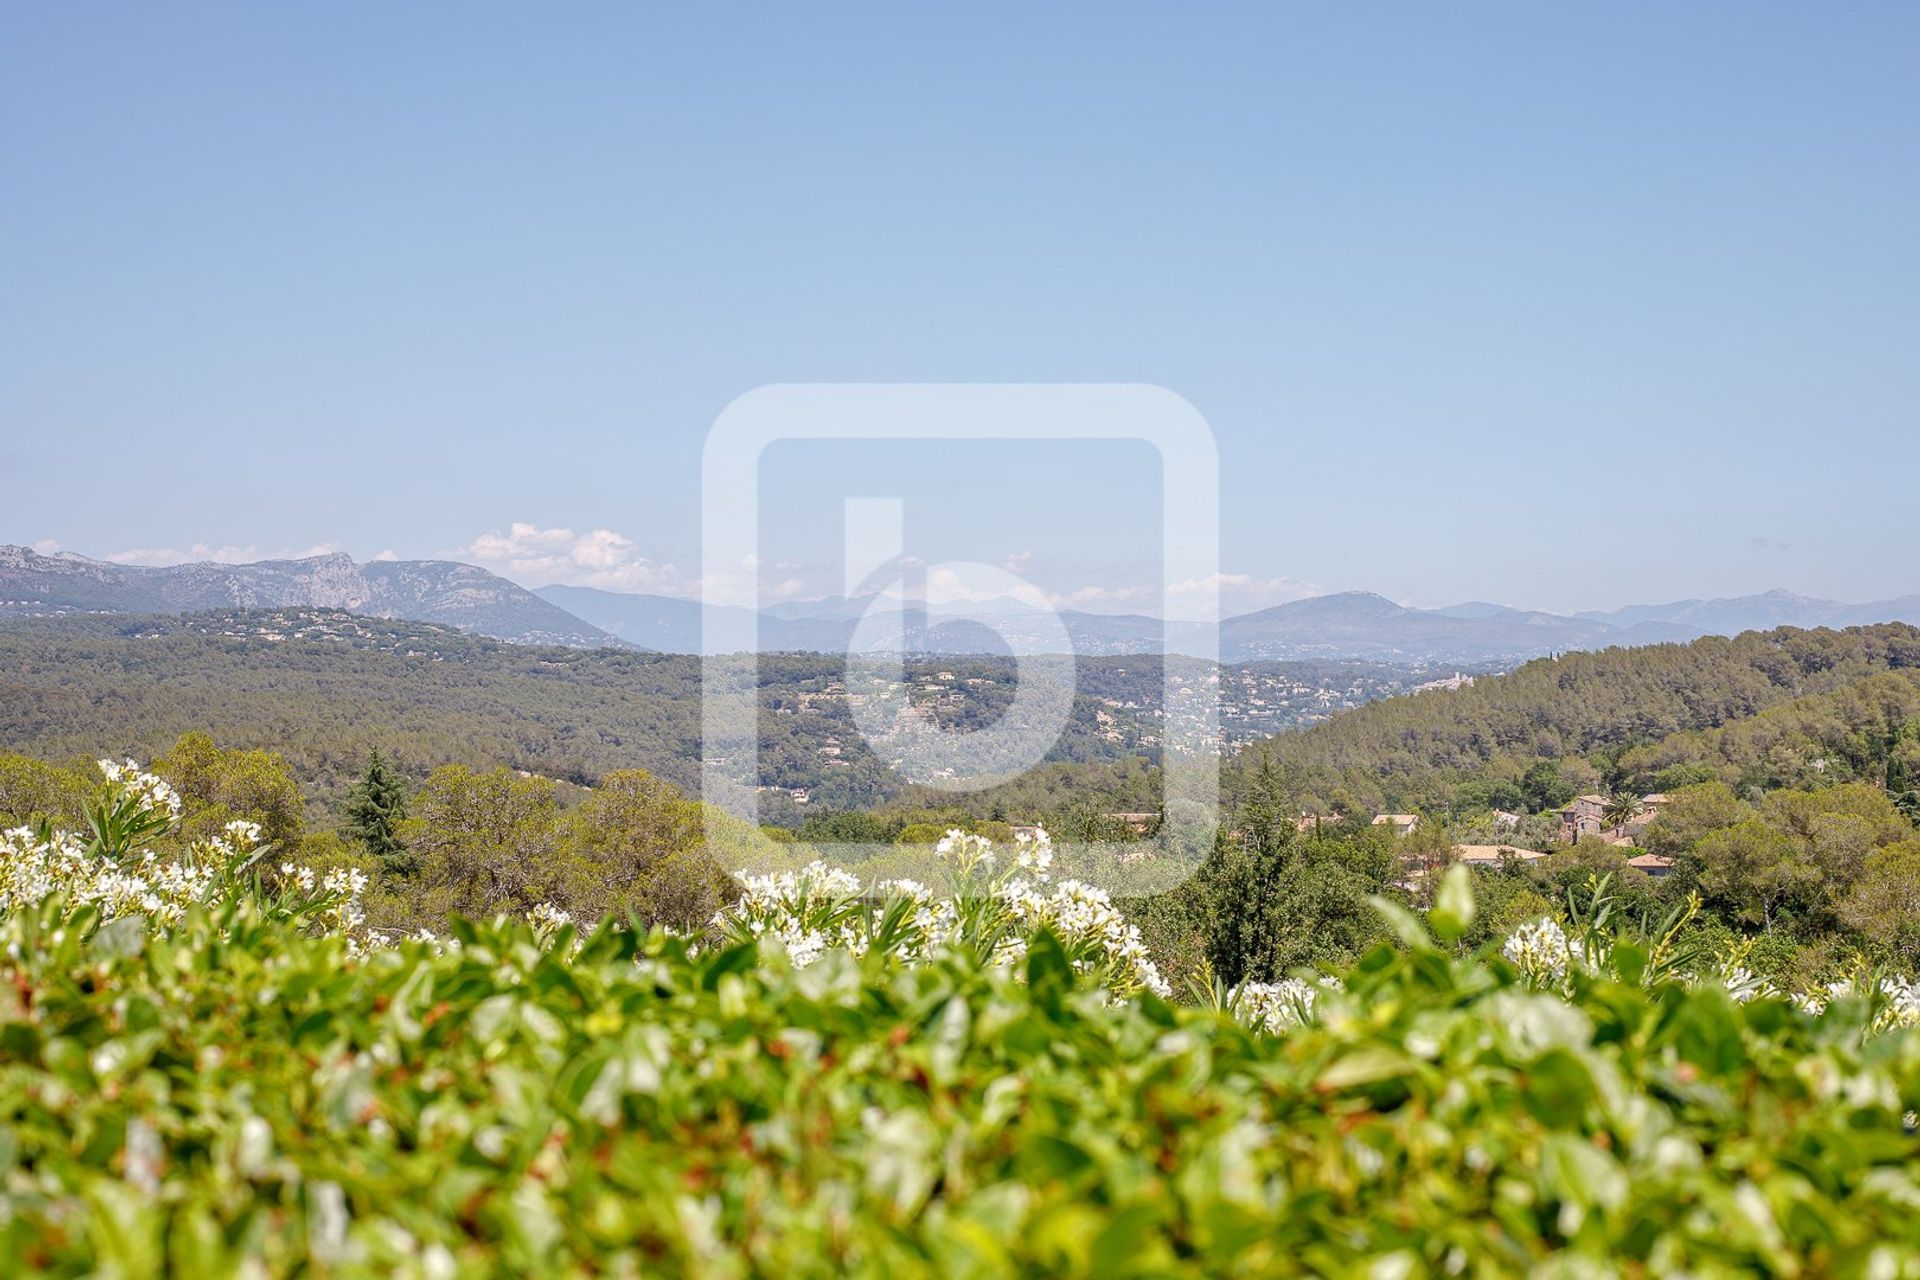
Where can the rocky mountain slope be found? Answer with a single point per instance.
(442, 591)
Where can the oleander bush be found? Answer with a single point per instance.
(241, 1095)
(251, 1086)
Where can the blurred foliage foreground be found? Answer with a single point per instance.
(209, 1066)
(244, 1092)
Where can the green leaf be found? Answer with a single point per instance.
(1049, 971)
(1369, 1064)
(1573, 1169)
(1630, 961)
(1128, 1236)
(740, 958)
(1405, 925)
(1453, 908)
(1558, 1089)
(121, 938)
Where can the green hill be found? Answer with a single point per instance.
(321, 687)
(1602, 717)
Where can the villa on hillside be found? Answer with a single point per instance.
(1403, 824)
(1587, 816)
(1583, 816)
(1486, 855)
(1497, 855)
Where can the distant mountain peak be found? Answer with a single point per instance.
(437, 591)
(1344, 625)
(1352, 604)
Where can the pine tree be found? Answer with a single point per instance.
(374, 810)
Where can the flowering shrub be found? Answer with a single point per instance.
(1892, 1001)
(1553, 957)
(996, 906)
(895, 1081)
(112, 872)
(243, 1095)
(1276, 1007)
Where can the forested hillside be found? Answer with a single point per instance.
(322, 688)
(1769, 780)
(1609, 719)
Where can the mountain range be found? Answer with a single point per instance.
(1348, 625)
(442, 591)
(1761, 612)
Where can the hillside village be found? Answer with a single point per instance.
(1618, 822)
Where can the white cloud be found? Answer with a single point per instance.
(46, 547)
(202, 553)
(385, 556)
(537, 557)
(1096, 599)
(952, 586)
(963, 584)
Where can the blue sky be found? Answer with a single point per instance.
(1565, 309)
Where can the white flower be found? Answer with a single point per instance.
(1273, 1006)
(1035, 856)
(149, 793)
(1903, 1003)
(159, 888)
(821, 907)
(548, 919)
(1540, 950)
(244, 834)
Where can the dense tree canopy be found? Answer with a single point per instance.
(1774, 708)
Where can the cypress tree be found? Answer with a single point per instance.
(374, 810)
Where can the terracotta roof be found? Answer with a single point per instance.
(1493, 853)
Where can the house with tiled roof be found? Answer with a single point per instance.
(1484, 855)
(1583, 816)
(1651, 863)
